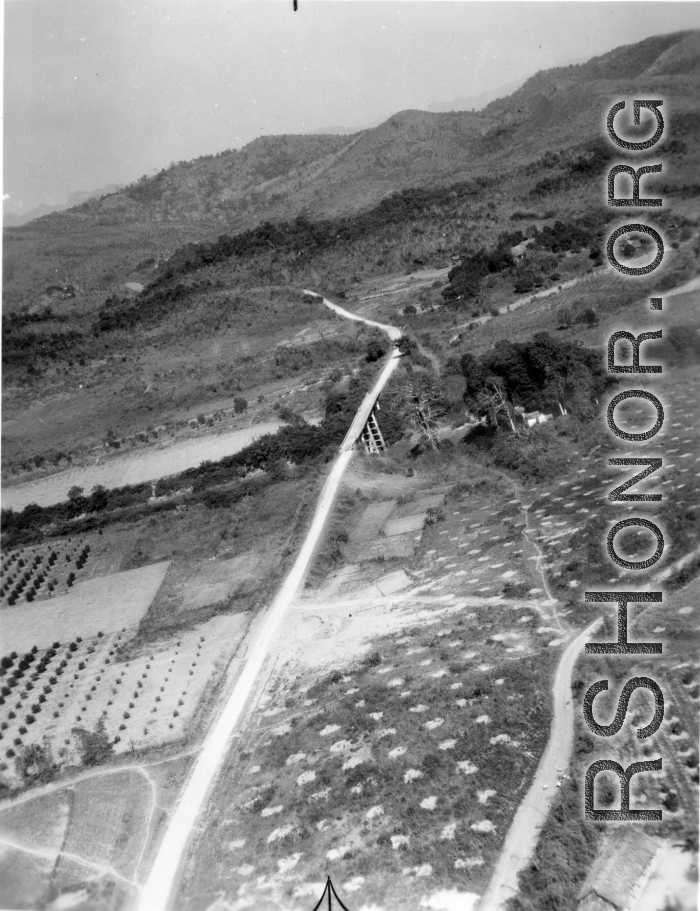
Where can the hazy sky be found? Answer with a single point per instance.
(103, 91)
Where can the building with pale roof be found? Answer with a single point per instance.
(619, 873)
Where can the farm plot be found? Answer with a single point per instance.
(86, 843)
(476, 548)
(397, 774)
(385, 533)
(136, 468)
(399, 770)
(84, 695)
(105, 604)
(190, 588)
(39, 827)
(103, 810)
(569, 518)
(33, 573)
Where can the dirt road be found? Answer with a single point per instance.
(532, 812)
(157, 890)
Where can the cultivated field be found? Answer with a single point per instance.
(105, 604)
(32, 573)
(88, 685)
(391, 743)
(85, 842)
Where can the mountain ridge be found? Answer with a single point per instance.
(321, 176)
(279, 176)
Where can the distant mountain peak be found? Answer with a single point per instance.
(15, 220)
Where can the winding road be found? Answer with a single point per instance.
(524, 830)
(156, 893)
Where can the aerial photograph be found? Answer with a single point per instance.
(350, 546)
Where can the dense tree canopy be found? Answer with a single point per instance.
(466, 278)
(540, 374)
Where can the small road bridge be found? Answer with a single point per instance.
(365, 427)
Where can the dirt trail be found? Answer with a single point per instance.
(531, 543)
(532, 812)
(156, 892)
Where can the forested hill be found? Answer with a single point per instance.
(526, 143)
(282, 176)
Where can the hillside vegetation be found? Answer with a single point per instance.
(223, 244)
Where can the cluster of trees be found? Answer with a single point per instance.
(23, 351)
(466, 278)
(19, 319)
(123, 314)
(28, 524)
(561, 237)
(376, 346)
(590, 164)
(419, 405)
(302, 238)
(540, 374)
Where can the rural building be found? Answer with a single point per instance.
(619, 873)
(519, 251)
(531, 418)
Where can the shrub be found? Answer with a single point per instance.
(431, 764)
(95, 746)
(406, 345)
(433, 516)
(515, 590)
(375, 350)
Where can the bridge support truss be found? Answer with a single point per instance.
(372, 435)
